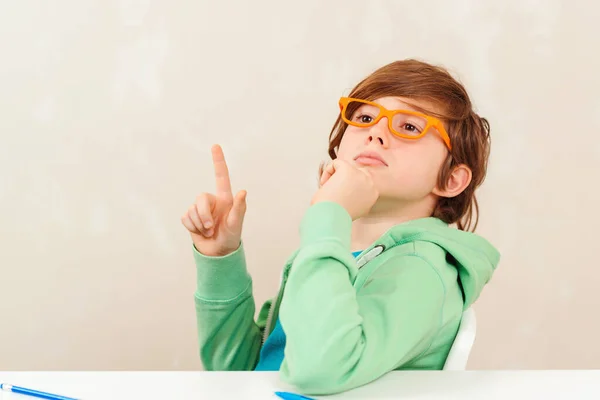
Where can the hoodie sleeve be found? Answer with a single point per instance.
(228, 337)
(337, 339)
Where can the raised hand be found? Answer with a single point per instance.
(215, 220)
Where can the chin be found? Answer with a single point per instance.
(391, 193)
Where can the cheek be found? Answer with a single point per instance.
(417, 174)
(348, 146)
(416, 171)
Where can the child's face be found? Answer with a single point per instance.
(410, 168)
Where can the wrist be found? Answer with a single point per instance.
(217, 251)
(221, 278)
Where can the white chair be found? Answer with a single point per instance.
(463, 343)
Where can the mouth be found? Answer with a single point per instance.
(370, 158)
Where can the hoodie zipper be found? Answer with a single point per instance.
(367, 256)
(364, 258)
(274, 305)
(268, 325)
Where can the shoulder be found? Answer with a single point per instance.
(407, 265)
(414, 254)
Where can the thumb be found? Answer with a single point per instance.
(338, 164)
(328, 171)
(238, 210)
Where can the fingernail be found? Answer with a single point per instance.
(208, 224)
(210, 232)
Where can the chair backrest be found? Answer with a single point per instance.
(463, 343)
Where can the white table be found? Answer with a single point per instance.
(261, 385)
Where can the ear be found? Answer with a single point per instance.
(458, 181)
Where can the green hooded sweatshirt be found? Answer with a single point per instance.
(347, 321)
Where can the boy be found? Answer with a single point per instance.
(380, 279)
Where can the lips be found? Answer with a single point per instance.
(370, 158)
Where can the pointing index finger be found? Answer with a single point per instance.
(221, 172)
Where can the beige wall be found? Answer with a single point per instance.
(108, 110)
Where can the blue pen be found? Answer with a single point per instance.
(292, 396)
(34, 393)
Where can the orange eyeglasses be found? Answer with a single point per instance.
(402, 123)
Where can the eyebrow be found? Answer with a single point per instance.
(417, 108)
(426, 111)
(411, 105)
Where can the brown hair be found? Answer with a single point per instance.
(469, 133)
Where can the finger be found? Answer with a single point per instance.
(332, 168)
(235, 219)
(337, 164)
(328, 171)
(205, 204)
(193, 213)
(189, 224)
(221, 172)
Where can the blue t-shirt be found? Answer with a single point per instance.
(271, 354)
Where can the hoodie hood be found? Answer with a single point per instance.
(474, 257)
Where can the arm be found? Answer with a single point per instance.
(228, 337)
(338, 340)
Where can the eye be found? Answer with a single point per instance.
(408, 127)
(364, 119)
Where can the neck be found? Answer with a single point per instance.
(384, 216)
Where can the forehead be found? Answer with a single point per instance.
(403, 103)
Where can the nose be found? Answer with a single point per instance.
(379, 133)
